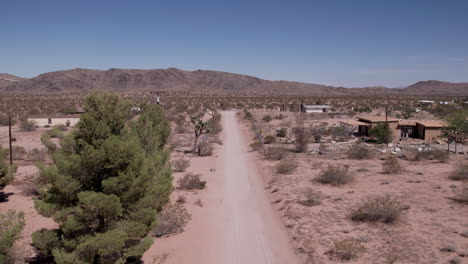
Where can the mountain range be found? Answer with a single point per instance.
(81, 80)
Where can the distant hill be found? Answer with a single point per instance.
(80, 80)
(8, 79)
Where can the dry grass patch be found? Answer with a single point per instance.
(286, 166)
(461, 172)
(346, 249)
(171, 220)
(191, 181)
(275, 153)
(180, 165)
(392, 165)
(310, 197)
(461, 195)
(335, 175)
(360, 151)
(383, 209)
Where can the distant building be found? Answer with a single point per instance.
(315, 108)
(369, 122)
(53, 120)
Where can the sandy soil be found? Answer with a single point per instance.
(236, 223)
(430, 225)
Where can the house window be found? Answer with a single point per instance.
(49, 121)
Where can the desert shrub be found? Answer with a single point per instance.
(55, 133)
(441, 155)
(461, 195)
(51, 147)
(29, 189)
(180, 165)
(191, 181)
(286, 166)
(346, 249)
(302, 138)
(269, 139)
(27, 126)
(360, 151)
(280, 117)
(6, 172)
(335, 175)
(310, 197)
(205, 148)
(256, 145)
(382, 133)
(105, 192)
(171, 220)
(37, 155)
(392, 165)
(11, 224)
(383, 209)
(282, 132)
(60, 127)
(461, 172)
(248, 115)
(19, 153)
(275, 153)
(317, 133)
(267, 118)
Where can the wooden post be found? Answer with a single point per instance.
(386, 122)
(9, 136)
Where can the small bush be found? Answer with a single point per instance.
(180, 165)
(51, 147)
(191, 181)
(37, 155)
(275, 153)
(171, 220)
(383, 209)
(302, 138)
(11, 224)
(286, 166)
(267, 118)
(392, 165)
(461, 172)
(310, 197)
(55, 133)
(256, 146)
(61, 127)
(27, 126)
(269, 139)
(248, 115)
(461, 195)
(360, 151)
(335, 175)
(282, 132)
(441, 155)
(346, 249)
(45, 240)
(205, 148)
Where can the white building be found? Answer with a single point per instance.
(315, 108)
(53, 120)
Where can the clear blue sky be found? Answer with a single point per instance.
(349, 42)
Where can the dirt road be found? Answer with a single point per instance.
(237, 224)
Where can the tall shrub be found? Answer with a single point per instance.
(109, 179)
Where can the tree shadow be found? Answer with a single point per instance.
(4, 196)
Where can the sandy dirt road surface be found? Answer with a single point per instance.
(237, 224)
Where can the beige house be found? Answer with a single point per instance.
(53, 120)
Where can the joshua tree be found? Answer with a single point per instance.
(200, 127)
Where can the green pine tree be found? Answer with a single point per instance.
(109, 179)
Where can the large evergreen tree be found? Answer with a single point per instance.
(109, 179)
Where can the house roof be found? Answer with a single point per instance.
(353, 123)
(316, 106)
(376, 119)
(54, 116)
(432, 123)
(407, 123)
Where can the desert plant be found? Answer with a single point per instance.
(205, 148)
(180, 165)
(104, 193)
(6, 171)
(441, 155)
(335, 175)
(460, 172)
(27, 126)
(286, 166)
(267, 118)
(461, 195)
(171, 220)
(382, 133)
(275, 153)
(51, 147)
(360, 151)
(310, 197)
(55, 133)
(378, 209)
(200, 127)
(346, 249)
(191, 181)
(269, 139)
(317, 133)
(392, 165)
(11, 224)
(282, 132)
(302, 138)
(37, 155)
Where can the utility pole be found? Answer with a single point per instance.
(9, 136)
(386, 123)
